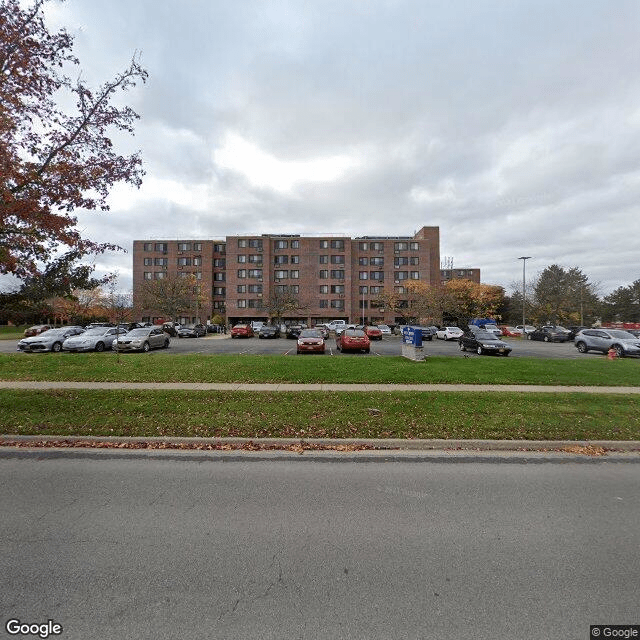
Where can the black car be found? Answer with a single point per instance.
(548, 334)
(427, 332)
(293, 330)
(269, 331)
(483, 342)
(192, 331)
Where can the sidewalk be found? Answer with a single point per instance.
(364, 388)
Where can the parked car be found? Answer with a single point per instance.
(483, 342)
(143, 339)
(50, 340)
(310, 341)
(527, 328)
(373, 332)
(36, 330)
(256, 325)
(557, 327)
(323, 329)
(511, 332)
(341, 327)
(353, 340)
(385, 329)
(449, 333)
(575, 330)
(294, 330)
(635, 332)
(548, 334)
(622, 342)
(242, 331)
(171, 328)
(269, 331)
(96, 339)
(334, 324)
(492, 328)
(427, 332)
(192, 331)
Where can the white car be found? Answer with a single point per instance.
(493, 328)
(528, 328)
(50, 340)
(449, 333)
(95, 339)
(385, 328)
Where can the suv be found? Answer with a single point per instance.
(622, 342)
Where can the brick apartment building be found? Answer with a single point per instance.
(331, 276)
(465, 273)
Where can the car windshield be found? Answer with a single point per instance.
(138, 332)
(484, 335)
(310, 333)
(622, 335)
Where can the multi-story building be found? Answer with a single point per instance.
(309, 279)
(466, 273)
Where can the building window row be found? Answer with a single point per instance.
(243, 243)
(249, 273)
(282, 274)
(182, 246)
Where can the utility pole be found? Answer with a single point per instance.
(524, 294)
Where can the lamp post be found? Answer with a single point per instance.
(524, 295)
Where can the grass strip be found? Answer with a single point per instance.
(163, 367)
(321, 415)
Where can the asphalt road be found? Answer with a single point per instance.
(196, 547)
(387, 346)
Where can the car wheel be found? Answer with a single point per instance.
(56, 347)
(461, 346)
(507, 353)
(582, 347)
(479, 351)
(166, 344)
(529, 336)
(100, 347)
(546, 338)
(146, 347)
(619, 350)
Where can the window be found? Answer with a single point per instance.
(324, 244)
(161, 246)
(295, 259)
(197, 262)
(337, 273)
(161, 262)
(364, 290)
(255, 258)
(377, 275)
(399, 289)
(415, 275)
(281, 259)
(281, 244)
(220, 248)
(197, 246)
(337, 244)
(255, 273)
(184, 262)
(324, 288)
(242, 243)
(377, 246)
(363, 275)
(363, 304)
(242, 304)
(399, 262)
(148, 246)
(219, 276)
(148, 275)
(401, 246)
(323, 304)
(363, 246)
(198, 275)
(337, 259)
(183, 274)
(242, 257)
(337, 304)
(219, 291)
(255, 303)
(184, 246)
(363, 262)
(414, 246)
(241, 288)
(376, 290)
(324, 259)
(337, 288)
(377, 262)
(242, 273)
(255, 288)
(218, 304)
(401, 275)
(294, 273)
(414, 261)
(159, 275)
(255, 244)
(295, 244)
(281, 274)
(148, 262)
(294, 288)
(323, 274)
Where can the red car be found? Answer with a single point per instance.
(353, 340)
(373, 333)
(310, 341)
(242, 331)
(36, 330)
(510, 331)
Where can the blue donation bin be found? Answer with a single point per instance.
(412, 336)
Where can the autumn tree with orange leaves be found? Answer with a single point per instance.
(53, 160)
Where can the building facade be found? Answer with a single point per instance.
(309, 279)
(465, 273)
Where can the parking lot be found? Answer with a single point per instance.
(388, 346)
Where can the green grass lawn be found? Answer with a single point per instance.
(12, 333)
(164, 367)
(322, 415)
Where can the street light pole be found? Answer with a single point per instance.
(524, 295)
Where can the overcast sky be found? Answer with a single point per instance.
(514, 126)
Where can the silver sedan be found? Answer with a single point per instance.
(50, 340)
(143, 339)
(96, 339)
